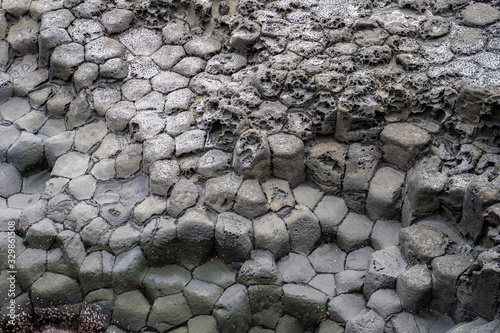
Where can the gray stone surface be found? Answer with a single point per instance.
(220, 192)
(385, 233)
(385, 302)
(344, 307)
(233, 237)
(384, 195)
(260, 268)
(327, 258)
(330, 211)
(354, 231)
(367, 321)
(202, 296)
(11, 180)
(296, 268)
(305, 303)
(384, 268)
(131, 310)
(349, 281)
(232, 311)
(26, 151)
(304, 230)
(423, 243)
(414, 288)
(270, 234)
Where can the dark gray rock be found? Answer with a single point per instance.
(349, 281)
(260, 268)
(384, 195)
(367, 321)
(305, 303)
(252, 157)
(385, 302)
(403, 321)
(23, 36)
(414, 288)
(102, 49)
(58, 104)
(399, 147)
(250, 199)
(358, 260)
(304, 230)
(278, 194)
(176, 32)
(202, 296)
(42, 235)
(84, 30)
(330, 212)
(326, 164)
(385, 234)
(422, 243)
(9, 135)
(266, 304)
(306, 195)
(119, 115)
(233, 236)
(475, 287)
(344, 307)
(124, 238)
(26, 152)
(195, 231)
(163, 281)
(290, 324)
(95, 271)
(48, 40)
(160, 147)
(159, 241)
(270, 234)
(202, 324)
(296, 268)
(129, 270)
(97, 308)
(168, 312)
(104, 98)
(11, 180)
(61, 18)
(480, 14)
(55, 289)
(29, 266)
(327, 258)
(28, 81)
(324, 283)
(220, 192)
(354, 231)
(383, 269)
(445, 273)
(421, 189)
(131, 310)
(232, 311)
(288, 158)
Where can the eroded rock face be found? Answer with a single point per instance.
(260, 133)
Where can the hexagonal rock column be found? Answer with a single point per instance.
(232, 311)
(402, 142)
(252, 157)
(326, 164)
(288, 158)
(361, 165)
(304, 230)
(384, 195)
(234, 237)
(196, 234)
(384, 268)
(414, 288)
(159, 241)
(305, 303)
